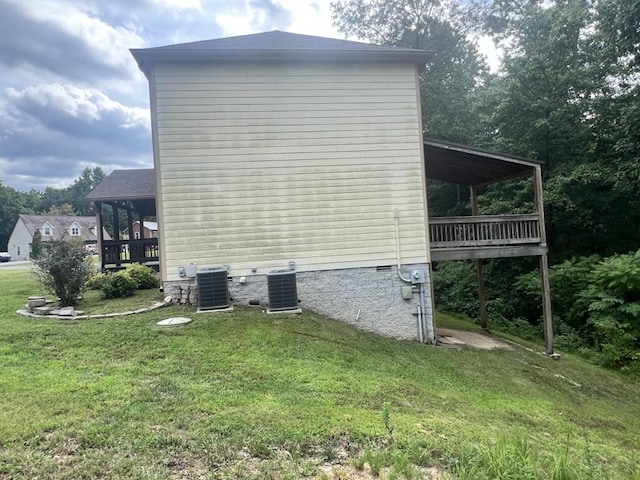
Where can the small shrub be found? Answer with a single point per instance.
(97, 281)
(144, 277)
(63, 268)
(118, 285)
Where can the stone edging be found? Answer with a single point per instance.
(151, 308)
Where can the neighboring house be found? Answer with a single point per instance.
(284, 152)
(150, 230)
(51, 227)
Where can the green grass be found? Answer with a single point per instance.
(246, 395)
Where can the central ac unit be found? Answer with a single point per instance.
(213, 289)
(283, 294)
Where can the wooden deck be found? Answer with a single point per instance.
(485, 236)
(118, 253)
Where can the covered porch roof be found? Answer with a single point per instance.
(464, 165)
(137, 186)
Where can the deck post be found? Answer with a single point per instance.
(99, 234)
(544, 265)
(116, 230)
(482, 304)
(546, 304)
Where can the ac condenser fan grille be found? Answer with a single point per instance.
(283, 294)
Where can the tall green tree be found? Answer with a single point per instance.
(87, 181)
(11, 205)
(449, 80)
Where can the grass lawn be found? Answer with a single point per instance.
(246, 395)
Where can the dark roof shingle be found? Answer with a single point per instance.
(132, 184)
(276, 45)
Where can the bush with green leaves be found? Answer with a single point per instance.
(455, 287)
(118, 285)
(97, 281)
(613, 309)
(63, 268)
(143, 276)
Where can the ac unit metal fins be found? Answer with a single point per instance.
(283, 293)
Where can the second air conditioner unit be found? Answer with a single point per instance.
(283, 293)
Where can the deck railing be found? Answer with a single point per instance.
(484, 231)
(118, 252)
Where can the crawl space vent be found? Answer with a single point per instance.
(213, 289)
(283, 294)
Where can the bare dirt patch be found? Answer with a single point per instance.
(459, 338)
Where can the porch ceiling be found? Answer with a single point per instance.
(465, 165)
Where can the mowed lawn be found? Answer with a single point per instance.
(247, 395)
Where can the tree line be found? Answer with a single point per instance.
(51, 201)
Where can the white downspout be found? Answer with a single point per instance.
(396, 217)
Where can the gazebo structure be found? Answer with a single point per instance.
(130, 194)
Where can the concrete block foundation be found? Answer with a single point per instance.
(370, 299)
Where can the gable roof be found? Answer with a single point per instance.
(61, 224)
(132, 184)
(275, 45)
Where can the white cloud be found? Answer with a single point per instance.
(58, 102)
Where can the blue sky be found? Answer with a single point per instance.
(71, 95)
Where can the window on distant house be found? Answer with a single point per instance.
(136, 235)
(75, 231)
(18, 251)
(155, 234)
(47, 231)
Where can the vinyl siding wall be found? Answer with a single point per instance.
(260, 165)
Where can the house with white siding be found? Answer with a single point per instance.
(279, 152)
(50, 227)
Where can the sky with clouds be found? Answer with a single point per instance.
(71, 95)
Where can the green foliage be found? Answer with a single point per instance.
(596, 305)
(118, 285)
(36, 245)
(510, 458)
(386, 418)
(455, 287)
(451, 78)
(613, 298)
(63, 268)
(11, 205)
(97, 281)
(143, 276)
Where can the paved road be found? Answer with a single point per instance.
(15, 265)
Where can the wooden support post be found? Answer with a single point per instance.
(482, 303)
(116, 231)
(544, 265)
(546, 304)
(130, 223)
(99, 235)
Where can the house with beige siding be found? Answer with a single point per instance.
(278, 152)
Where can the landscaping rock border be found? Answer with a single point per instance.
(38, 307)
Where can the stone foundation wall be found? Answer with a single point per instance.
(367, 298)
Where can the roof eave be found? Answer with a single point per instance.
(150, 56)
